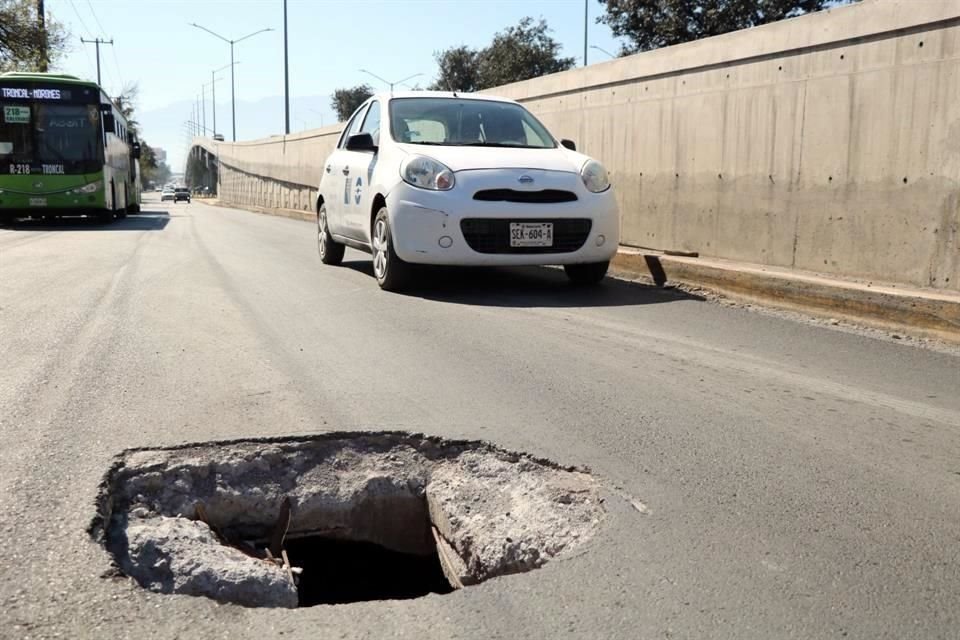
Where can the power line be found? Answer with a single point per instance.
(82, 23)
(89, 33)
(103, 32)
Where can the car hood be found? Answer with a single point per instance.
(471, 158)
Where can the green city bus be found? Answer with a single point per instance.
(65, 150)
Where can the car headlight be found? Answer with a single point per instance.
(427, 173)
(88, 188)
(594, 176)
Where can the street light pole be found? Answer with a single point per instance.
(233, 83)
(213, 85)
(586, 20)
(286, 74)
(233, 97)
(370, 73)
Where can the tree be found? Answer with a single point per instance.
(459, 70)
(346, 101)
(152, 170)
(126, 103)
(23, 42)
(520, 53)
(517, 53)
(651, 24)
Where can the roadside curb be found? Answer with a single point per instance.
(915, 312)
(296, 214)
(932, 314)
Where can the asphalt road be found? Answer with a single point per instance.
(800, 481)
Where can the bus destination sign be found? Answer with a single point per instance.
(34, 93)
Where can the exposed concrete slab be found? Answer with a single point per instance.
(178, 519)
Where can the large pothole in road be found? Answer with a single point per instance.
(338, 518)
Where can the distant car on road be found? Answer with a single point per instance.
(446, 178)
(167, 194)
(181, 193)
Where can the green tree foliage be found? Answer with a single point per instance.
(127, 104)
(346, 101)
(651, 24)
(22, 42)
(517, 53)
(152, 170)
(459, 70)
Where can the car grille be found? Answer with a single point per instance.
(492, 235)
(546, 196)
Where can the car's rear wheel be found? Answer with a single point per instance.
(331, 251)
(588, 273)
(391, 272)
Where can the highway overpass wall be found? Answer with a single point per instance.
(829, 143)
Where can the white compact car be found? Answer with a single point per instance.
(445, 178)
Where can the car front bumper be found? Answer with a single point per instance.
(454, 228)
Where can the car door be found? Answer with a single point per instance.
(335, 182)
(358, 167)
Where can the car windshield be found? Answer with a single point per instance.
(466, 122)
(52, 134)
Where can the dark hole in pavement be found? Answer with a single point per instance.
(337, 518)
(342, 571)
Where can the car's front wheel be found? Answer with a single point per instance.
(588, 273)
(331, 251)
(391, 272)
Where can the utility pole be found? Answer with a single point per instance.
(203, 97)
(98, 42)
(42, 23)
(286, 74)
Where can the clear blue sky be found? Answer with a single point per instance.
(330, 40)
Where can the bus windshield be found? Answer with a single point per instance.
(65, 137)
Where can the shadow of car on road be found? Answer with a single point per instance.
(154, 220)
(524, 287)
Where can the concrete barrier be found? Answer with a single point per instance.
(829, 143)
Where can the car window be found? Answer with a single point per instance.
(353, 127)
(371, 123)
(466, 122)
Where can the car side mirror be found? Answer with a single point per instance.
(136, 151)
(361, 142)
(569, 144)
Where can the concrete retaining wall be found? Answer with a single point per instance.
(828, 143)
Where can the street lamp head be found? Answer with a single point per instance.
(593, 46)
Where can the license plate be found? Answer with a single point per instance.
(531, 234)
(38, 202)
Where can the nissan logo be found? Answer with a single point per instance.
(525, 180)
